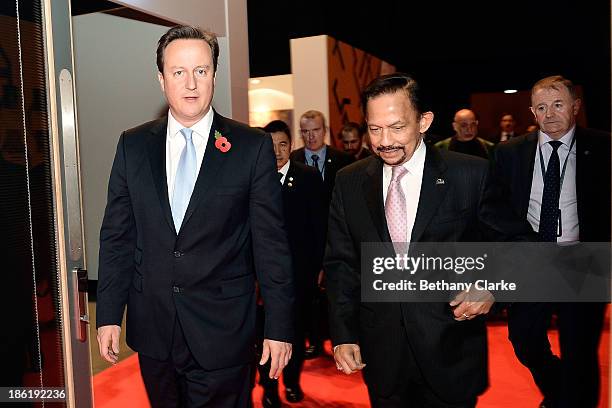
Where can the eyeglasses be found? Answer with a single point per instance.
(308, 132)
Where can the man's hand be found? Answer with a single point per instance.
(108, 342)
(280, 352)
(321, 279)
(348, 358)
(468, 305)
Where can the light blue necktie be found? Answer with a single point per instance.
(186, 174)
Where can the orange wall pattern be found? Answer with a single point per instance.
(349, 71)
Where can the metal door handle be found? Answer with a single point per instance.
(81, 317)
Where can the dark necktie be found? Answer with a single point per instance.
(280, 176)
(315, 161)
(549, 213)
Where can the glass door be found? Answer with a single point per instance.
(43, 343)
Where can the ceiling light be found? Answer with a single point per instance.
(509, 91)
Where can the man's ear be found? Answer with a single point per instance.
(160, 78)
(577, 104)
(425, 121)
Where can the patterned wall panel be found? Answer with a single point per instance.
(349, 71)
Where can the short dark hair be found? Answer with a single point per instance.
(392, 83)
(278, 126)
(184, 32)
(554, 82)
(350, 127)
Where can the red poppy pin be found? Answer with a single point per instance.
(221, 142)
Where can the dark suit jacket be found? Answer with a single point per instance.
(334, 160)
(452, 355)
(514, 167)
(305, 220)
(205, 275)
(363, 154)
(496, 138)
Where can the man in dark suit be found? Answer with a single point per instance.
(193, 217)
(304, 218)
(530, 169)
(316, 153)
(352, 141)
(506, 129)
(327, 160)
(413, 354)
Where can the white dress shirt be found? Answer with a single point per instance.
(175, 143)
(284, 171)
(568, 201)
(411, 184)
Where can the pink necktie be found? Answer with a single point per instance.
(395, 207)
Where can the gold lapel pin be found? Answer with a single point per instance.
(289, 184)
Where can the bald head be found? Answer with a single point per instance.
(465, 125)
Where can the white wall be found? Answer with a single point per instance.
(310, 80)
(116, 88)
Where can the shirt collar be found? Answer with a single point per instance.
(416, 163)
(201, 127)
(321, 152)
(285, 168)
(543, 138)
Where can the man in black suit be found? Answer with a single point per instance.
(352, 141)
(316, 153)
(506, 129)
(413, 354)
(327, 160)
(530, 169)
(193, 216)
(304, 219)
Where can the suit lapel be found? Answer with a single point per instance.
(211, 164)
(157, 160)
(527, 161)
(433, 190)
(289, 178)
(372, 188)
(330, 168)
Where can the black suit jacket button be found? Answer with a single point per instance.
(178, 254)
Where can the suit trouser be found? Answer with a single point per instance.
(411, 389)
(180, 381)
(573, 379)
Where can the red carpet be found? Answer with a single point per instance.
(511, 384)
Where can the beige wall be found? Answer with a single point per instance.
(328, 75)
(310, 80)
